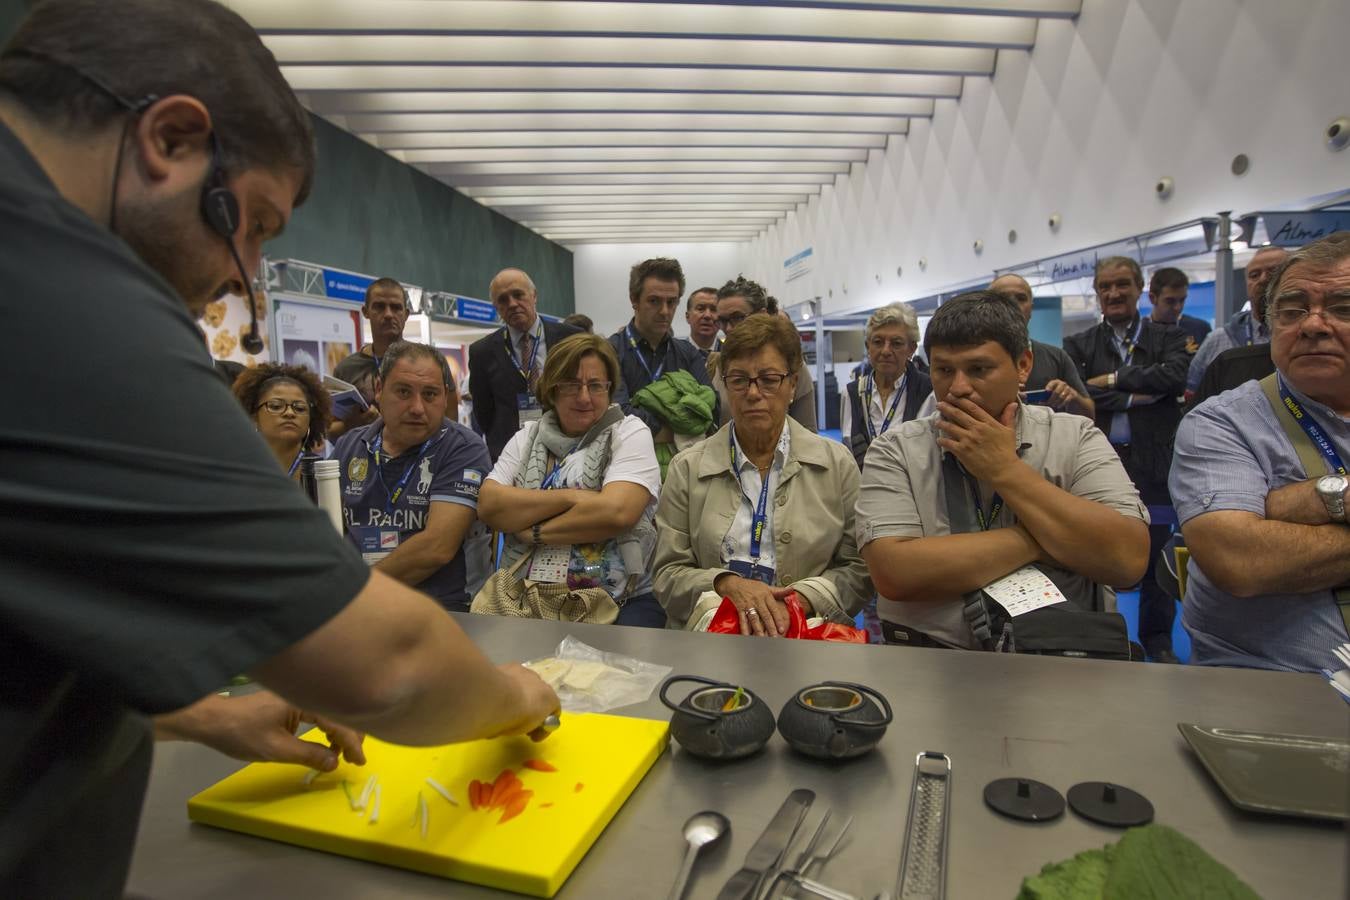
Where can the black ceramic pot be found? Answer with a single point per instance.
(834, 720)
(704, 729)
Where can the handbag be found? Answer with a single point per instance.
(1059, 630)
(506, 593)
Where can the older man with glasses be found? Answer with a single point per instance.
(894, 390)
(1260, 485)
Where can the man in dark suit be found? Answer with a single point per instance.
(505, 366)
(1135, 370)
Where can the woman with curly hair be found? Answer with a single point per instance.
(289, 407)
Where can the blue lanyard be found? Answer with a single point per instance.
(632, 342)
(890, 414)
(1128, 344)
(1314, 431)
(525, 370)
(295, 463)
(551, 478)
(760, 520)
(1251, 329)
(402, 482)
(995, 505)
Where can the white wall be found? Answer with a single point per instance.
(600, 273)
(1083, 125)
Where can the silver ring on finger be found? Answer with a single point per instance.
(752, 611)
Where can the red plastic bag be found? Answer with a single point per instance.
(727, 621)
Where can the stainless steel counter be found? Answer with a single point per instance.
(1056, 720)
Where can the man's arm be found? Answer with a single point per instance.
(393, 664)
(423, 554)
(1298, 503)
(260, 727)
(1246, 555)
(944, 567)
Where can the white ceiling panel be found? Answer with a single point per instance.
(595, 120)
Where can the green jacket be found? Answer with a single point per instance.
(679, 399)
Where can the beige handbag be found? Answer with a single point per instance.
(507, 594)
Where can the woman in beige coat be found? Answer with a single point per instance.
(764, 506)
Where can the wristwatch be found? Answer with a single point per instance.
(1111, 379)
(1331, 488)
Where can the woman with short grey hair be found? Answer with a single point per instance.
(894, 390)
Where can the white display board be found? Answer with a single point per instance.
(316, 336)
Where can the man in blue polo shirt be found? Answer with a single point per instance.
(410, 479)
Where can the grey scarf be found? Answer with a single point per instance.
(597, 447)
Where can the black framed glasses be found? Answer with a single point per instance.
(573, 388)
(768, 382)
(277, 407)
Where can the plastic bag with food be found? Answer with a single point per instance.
(591, 680)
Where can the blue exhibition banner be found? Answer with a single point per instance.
(474, 310)
(1298, 228)
(341, 285)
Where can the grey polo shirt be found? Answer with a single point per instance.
(902, 495)
(1231, 452)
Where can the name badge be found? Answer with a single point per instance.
(747, 569)
(549, 563)
(528, 406)
(375, 543)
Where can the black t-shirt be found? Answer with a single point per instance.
(151, 546)
(1049, 362)
(1233, 368)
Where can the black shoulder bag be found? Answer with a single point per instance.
(1060, 630)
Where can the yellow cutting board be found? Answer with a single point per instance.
(598, 759)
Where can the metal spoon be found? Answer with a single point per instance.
(703, 829)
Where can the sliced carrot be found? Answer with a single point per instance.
(515, 807)
(476, 794)
(538, 765)
(501, 786)
(545, 805)
(577, 789)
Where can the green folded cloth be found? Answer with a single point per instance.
(677, 397)
(1149, 863)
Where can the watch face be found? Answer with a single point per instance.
(1333, 484)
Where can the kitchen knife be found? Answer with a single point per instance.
(770, 847)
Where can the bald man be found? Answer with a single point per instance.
(1247, 327)
(505, 366)
(1051, 368)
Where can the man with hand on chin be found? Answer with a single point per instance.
(1043, 489)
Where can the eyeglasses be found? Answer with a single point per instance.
(881, 343)
(728, 322)
(768, 382)
(1288, 316)
(573, 388)
(277, 407)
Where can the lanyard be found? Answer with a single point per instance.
(525, 370)
(890, 413)
(1128, 344)
(402, 482)
(995, 505)
(632, 342)
(760, 519)
(551, 478)
(295, 463)
(1314, 431)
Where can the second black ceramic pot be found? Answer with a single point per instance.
(834, 720)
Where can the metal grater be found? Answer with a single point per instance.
(923, 868)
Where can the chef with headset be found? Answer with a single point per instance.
(150, 548)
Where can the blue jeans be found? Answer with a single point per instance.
(642, 611)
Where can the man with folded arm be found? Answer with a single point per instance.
(1260, 484)
(1044, 489)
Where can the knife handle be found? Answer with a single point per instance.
(740, 886)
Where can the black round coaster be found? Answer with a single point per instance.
(1022, 798)
(1110, 804)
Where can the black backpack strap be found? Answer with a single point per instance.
(858, 440)
(961, 521)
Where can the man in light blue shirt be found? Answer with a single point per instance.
(1268, 536)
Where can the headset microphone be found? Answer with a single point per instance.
(220, 209)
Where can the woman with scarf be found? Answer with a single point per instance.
(577, 489)
(764, 507)
(289, 407)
